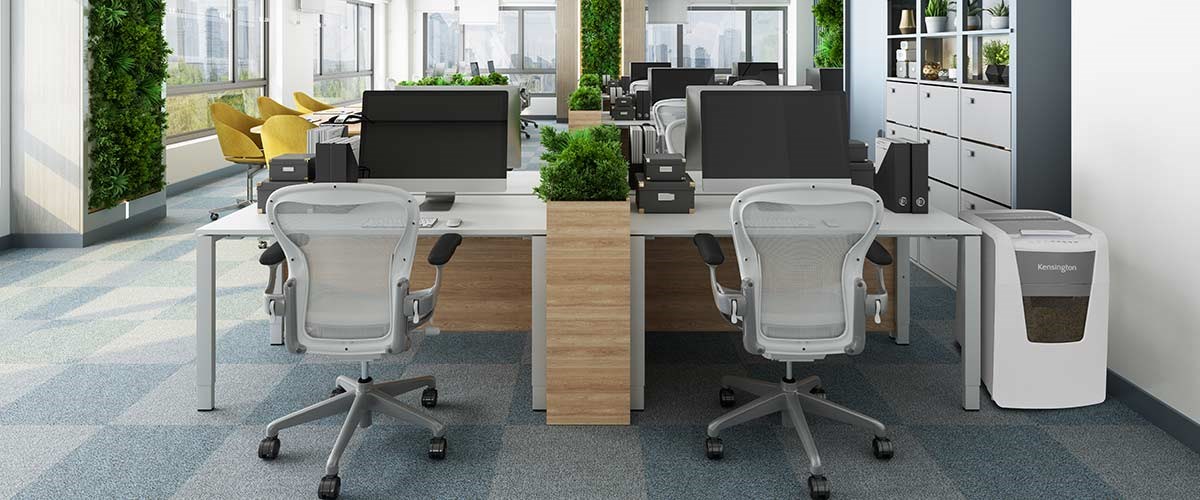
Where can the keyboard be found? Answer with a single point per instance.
(428, 222)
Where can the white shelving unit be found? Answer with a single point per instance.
(991, 145)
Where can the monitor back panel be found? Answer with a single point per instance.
(435, 134)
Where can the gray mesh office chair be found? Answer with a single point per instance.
(664, 113)
(350, 250)
(675, 137)
(749, 83)
(800, 250)
(635, 87)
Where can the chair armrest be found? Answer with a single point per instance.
(710, 249)
(273, 255)
(444, 249)
(879, 255)
(859, 326)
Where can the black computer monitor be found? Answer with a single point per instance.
(747, 136)
(436, 141)
(672, 83)
(491, 66)
(640, 70)
(767, 72)
(474, 68)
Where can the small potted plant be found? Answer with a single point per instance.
(974, 14)
(585, 103)
(999, 14)
(995, 55)
(937, 14)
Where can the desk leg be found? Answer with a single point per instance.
(637, 322)
(903, 291)
(538, 322)
(967, 323)
(206, 321)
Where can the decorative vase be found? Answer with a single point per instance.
(974, 22)
(996, 74)
(1004, 74)
(908, 23)
(999, 23)
(930, 70)
(935, 24)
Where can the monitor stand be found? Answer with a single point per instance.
(437, 202)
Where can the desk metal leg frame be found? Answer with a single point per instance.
(637, 322)
(206, 321)
(538, 322)
(902, 291)
(967, 320)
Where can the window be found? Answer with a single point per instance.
(218, 53)
(520, 46)
(720, 37)
(344, 48)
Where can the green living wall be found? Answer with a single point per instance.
(830, 20)
(125, 81)
(600, 36)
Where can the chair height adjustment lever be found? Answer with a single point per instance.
(878, 311)
(733, 312)
(416, 312)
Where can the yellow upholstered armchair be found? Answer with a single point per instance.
(308, 104)
(267, 107)
(285, 135)
(239, 145)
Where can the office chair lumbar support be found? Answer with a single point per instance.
(361, 311)
(800, 250)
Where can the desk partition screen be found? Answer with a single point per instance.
(672, 83)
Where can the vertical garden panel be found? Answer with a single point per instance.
(600, 36)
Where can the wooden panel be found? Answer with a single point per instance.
(486, 287)
(633, 33)
(583, 119)
(587, 313)
(566, 17)
(678, 297)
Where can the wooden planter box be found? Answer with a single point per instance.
(583, 119)
(587, 312)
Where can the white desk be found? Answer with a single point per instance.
(517, 215)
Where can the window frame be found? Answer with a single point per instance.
(321, 75)
(462, 46)
(748, 35)
(233, 83)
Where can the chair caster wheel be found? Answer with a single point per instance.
(727, 398)
(330, 487)
(429, 397)
(268, 448)
(437, 448)
(336, 391)
(818, 487)
(882, 447)
(713, 448)
(818, 391)
(213, 216)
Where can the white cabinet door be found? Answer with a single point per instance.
(971, 203)
(987, 117)
(894, 131)
(902, 103)
(987, 171)
(939, 109)
(941, 256)
(943, 157)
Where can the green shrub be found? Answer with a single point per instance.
(497, 79)
(126, 119)
(586, 166)
(828, 16)
(995, 53)
(585, 99)
(589, 80)
(554, 141)
(457, 79)
(600, 36)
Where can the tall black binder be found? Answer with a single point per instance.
(893, 179)
(919, 160)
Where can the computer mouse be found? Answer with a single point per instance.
(453, 222)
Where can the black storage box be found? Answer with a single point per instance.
(857, 151)
(336, 162)
(666, 197)
(862, 173)
(625, 100)
(624, 113)
(291, 167)
(265, 189)
(665, 167)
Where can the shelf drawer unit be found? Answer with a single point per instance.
(987, 117)
(939, 109)
(943, 157)
(902, 103)
(895, 131)
(987, 171)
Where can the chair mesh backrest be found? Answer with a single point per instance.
(666, 111)
(351, 256)
(803, 264)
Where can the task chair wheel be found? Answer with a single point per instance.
(882, 448)
(429, 397)
(268, 448)
(818, 487)
(330, 487)
(337, 390)
(727, 398)
(713, 448)
(437, 448)
(213, 216)
(818, 392)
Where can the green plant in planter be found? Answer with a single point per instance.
(497, 79)
(554, 141)
(938, 8)
(457, 79)
(600, 36)
(589, 80)
(999, 10)
(995, 53)
(126, 119)
(828, 16)
(586, 165)
(585, 99)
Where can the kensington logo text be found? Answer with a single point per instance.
(1062, 268)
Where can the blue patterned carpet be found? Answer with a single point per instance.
(96, 401)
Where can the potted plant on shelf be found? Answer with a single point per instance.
(995, 55)
(584, 104)
(999, 14)
(974, 14)
(936, 15)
